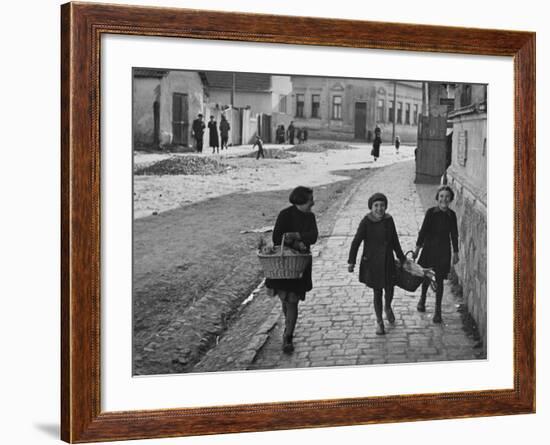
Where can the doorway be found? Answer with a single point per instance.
(360, 120)
(180, 118)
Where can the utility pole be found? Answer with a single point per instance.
(231, 124)
(233, 90)
(424, 99)
(394, 110)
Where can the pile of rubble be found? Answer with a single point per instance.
(318, 147)
(183, 165)
(271, 153)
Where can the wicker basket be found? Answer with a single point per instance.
(404, 279)
(284, 267)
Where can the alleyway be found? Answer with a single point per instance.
(336, 324)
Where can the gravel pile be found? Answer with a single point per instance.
(271, 153)
(183, 165)
(318, 147)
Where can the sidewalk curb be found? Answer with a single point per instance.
(259, 339)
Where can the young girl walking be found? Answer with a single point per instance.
(299, 226)
(379, 237)
(438, 232)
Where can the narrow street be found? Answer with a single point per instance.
(336, 324)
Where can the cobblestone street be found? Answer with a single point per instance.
(336, 324)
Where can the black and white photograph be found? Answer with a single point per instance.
(146, 292)
(289, 221)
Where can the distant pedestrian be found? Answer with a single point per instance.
(224, 131)
(260, 145)
(397, 144)
(213, 130)
(280, 134)
(298, 224)
(375, 152)
(438, 232)
(290, 133)
(378, 234)
(299, 135)
(304, 134)
(198, 132)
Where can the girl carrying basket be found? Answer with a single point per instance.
(299, 226)
(378, 234)
(439, 230)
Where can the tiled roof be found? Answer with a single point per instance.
(149, 72)
(243, 81)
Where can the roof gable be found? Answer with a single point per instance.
(243, 81)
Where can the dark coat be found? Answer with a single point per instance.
(292, 219)
(379, 240)
(376, 147)
(214, 140)
(198, 128)
(280, 133)
(224, 128)
(438, 231)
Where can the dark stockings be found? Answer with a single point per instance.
(388, 292)
(290, 311)
(438, 294)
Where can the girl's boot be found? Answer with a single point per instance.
(380, 327)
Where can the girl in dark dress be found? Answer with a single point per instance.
(214, 140)
(224, 131)
(375, 152)
(298, 224)
(379, 237)
(439, 230)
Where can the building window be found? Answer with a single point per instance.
(399, 112)
(466, 95)
(282, 103)
(415, 114)
(337, 107)
(299, 105)
(408, 114)
(380, 110)
(315, 105)
(390, 112)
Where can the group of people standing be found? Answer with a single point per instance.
(198, 128)
(378, 234)
(301, 134)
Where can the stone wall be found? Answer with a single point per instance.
(471, 270)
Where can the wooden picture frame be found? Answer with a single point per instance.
(82, 26)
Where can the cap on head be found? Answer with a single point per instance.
(377, 197)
